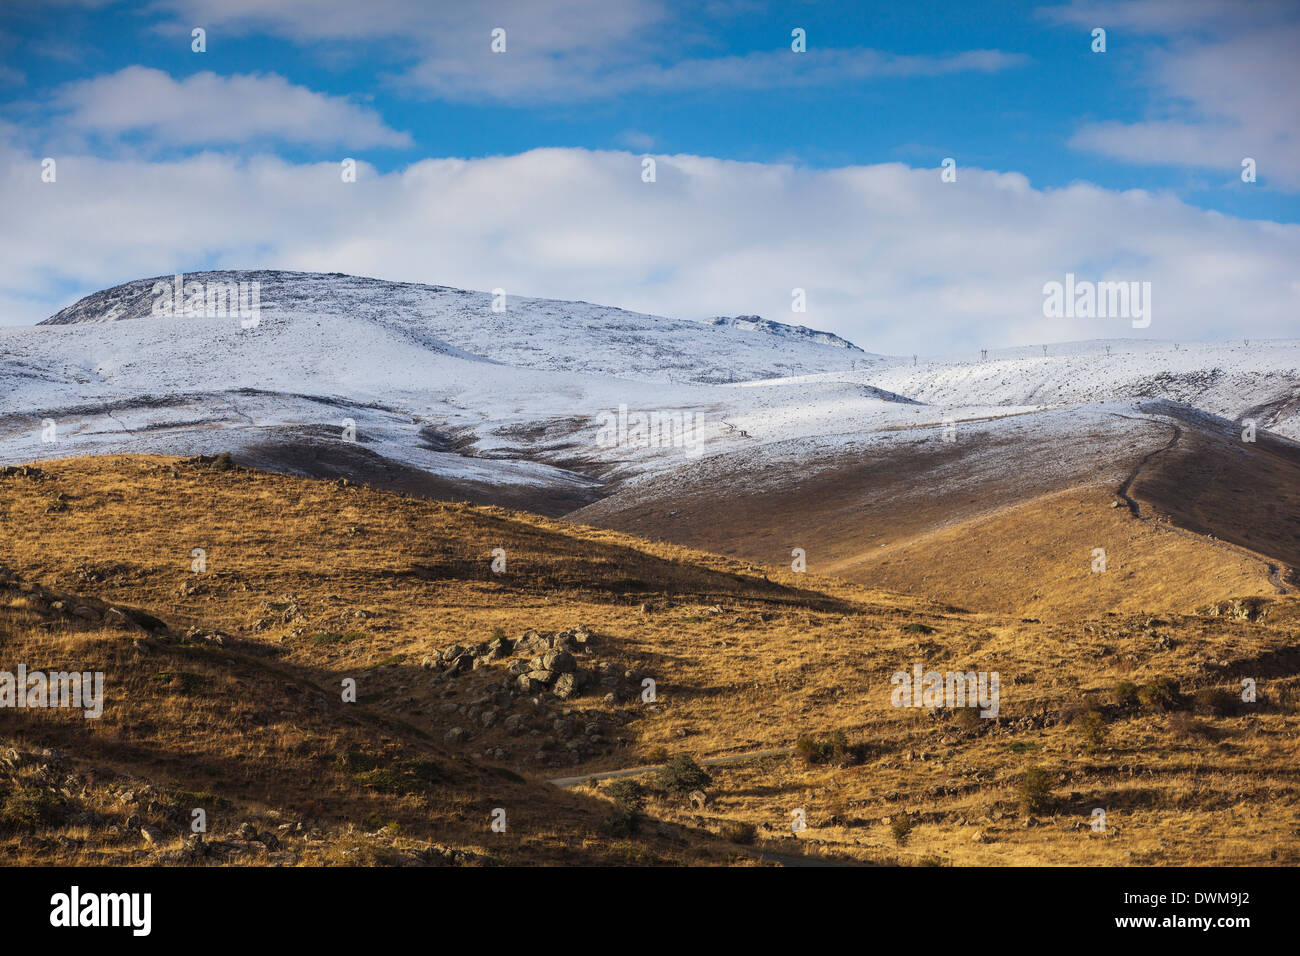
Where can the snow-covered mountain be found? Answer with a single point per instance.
(563, 401)
(756, 323)
(514, 330)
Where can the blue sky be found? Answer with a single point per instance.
(1182, 93)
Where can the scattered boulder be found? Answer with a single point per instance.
(560, 661)
(566, 686)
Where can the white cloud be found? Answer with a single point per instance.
(1223, 85)
(206, 109)
(890, 256)
(568, 50)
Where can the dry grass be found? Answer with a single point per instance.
(310, 582)
(1035, 560)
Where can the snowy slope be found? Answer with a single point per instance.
(435, 381)
(529, 333)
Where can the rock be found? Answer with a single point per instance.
(527, 684)
(531, 643)
(152, 835)
(566, 686)
(544, 677)
(462, 663)
(699, 799)
(451, 653)
(119, 618)
(516, 723)
(456, 735)
(560, 661)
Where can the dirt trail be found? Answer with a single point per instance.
(769, 856)
(1274, 571)
(566, 782)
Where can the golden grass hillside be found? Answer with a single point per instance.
(308, 583)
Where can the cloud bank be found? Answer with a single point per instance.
(890, 257)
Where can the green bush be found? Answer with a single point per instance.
(682, 774)
(1215, 702)
(832, 749)
(181, 681)
(1126, 694)
(628, 795)
(968, 719)
(828, 749)
(738, 831)
(1092, 729)
(1035, 790)
(28, 808)
(1160, 693)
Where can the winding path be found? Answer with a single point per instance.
(1274, 570)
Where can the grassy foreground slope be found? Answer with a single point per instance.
(223, 692)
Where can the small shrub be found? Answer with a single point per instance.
(1035, 790)
(832, 749)
(1184, 726)
(1215, 702)
(824, 750)
(1160, 694)
(682, 774)
(354, 761)
(916, 627)
(1023, 746)
(385, 780)
(621, 824)
(430, 772)
(181, 682)
(658, 755)
(199, 798)
(901, 827)
(1126, 694)
(628, 795)
(1092, 730)
(738, 831)
(968, 719)
(29, 808)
